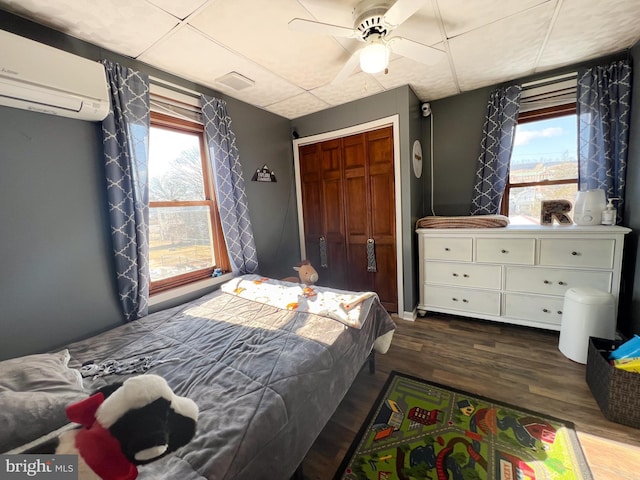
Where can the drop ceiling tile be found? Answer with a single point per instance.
(355, 87)
(305, 59)
(460, 16)
(189, 54)
(501, 51)
(429, 82)
(181, 9)
(422, 27)
(297, 106)
(112, 24)
(580, 34)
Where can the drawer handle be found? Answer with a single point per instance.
(561, 283)
(545, 310)
(455, 274)
(454, 299)
(575, 253)
(447, 249)
(465, 275)
(547, 282)
(559, 312)
(504, 251)
(464, 300)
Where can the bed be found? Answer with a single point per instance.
(266, 372)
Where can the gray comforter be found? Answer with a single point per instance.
(266, 380)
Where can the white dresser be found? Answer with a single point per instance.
(515, 274)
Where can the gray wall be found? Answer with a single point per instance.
(457, 132)
(401, 101)
(55, 252)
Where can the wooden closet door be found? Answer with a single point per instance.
(348, 197)
(369, 195)
(322, 206)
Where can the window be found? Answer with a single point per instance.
(185, 236)
(544, 162)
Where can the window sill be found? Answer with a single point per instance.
(184, 293)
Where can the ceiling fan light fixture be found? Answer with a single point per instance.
(374, 57)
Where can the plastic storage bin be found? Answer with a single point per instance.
(587, 312)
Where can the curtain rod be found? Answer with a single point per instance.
(173, 86)
(557, 78)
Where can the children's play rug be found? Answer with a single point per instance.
(419, 430)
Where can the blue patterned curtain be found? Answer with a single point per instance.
(497, 143)
(229, 184)
(126, 139)
(604, 112)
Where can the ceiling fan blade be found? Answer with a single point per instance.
(415, 51)
(348, 68)
(401, 10)
(311, 26)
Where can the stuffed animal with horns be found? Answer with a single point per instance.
(306, 274)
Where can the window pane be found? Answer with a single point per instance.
(175, 166)
(545, 150)
(179, 241)
(524, 202)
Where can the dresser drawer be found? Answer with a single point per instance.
(554, 281)
(457, 249)
(506, 250)
(546, 310)
(597, 253)
(465, 300)
(464, 274)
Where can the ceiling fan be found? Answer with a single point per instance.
(374, 20)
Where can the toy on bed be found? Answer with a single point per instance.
(306, 274)
(124, 425)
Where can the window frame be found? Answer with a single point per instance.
(168, 122)
(534, 116)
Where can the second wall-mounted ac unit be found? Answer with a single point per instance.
(40, 78)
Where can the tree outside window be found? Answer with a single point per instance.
(185, 237)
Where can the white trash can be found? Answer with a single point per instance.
(587, 312)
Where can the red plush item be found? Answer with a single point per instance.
(95, 444)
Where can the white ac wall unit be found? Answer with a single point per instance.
(40, 78)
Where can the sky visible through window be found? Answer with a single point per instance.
(544, 150)
(546, 141)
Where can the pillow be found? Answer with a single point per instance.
(34, 392)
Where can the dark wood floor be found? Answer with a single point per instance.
(516, 365)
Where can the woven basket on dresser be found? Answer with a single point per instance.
(616, 391)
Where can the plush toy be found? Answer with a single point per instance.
(124, 425)
(307, 274)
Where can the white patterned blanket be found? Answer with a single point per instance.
(350, 308)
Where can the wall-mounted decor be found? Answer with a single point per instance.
(416, 158)
(264, 175)
(555, 210)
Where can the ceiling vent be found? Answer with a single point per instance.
(236, 81)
